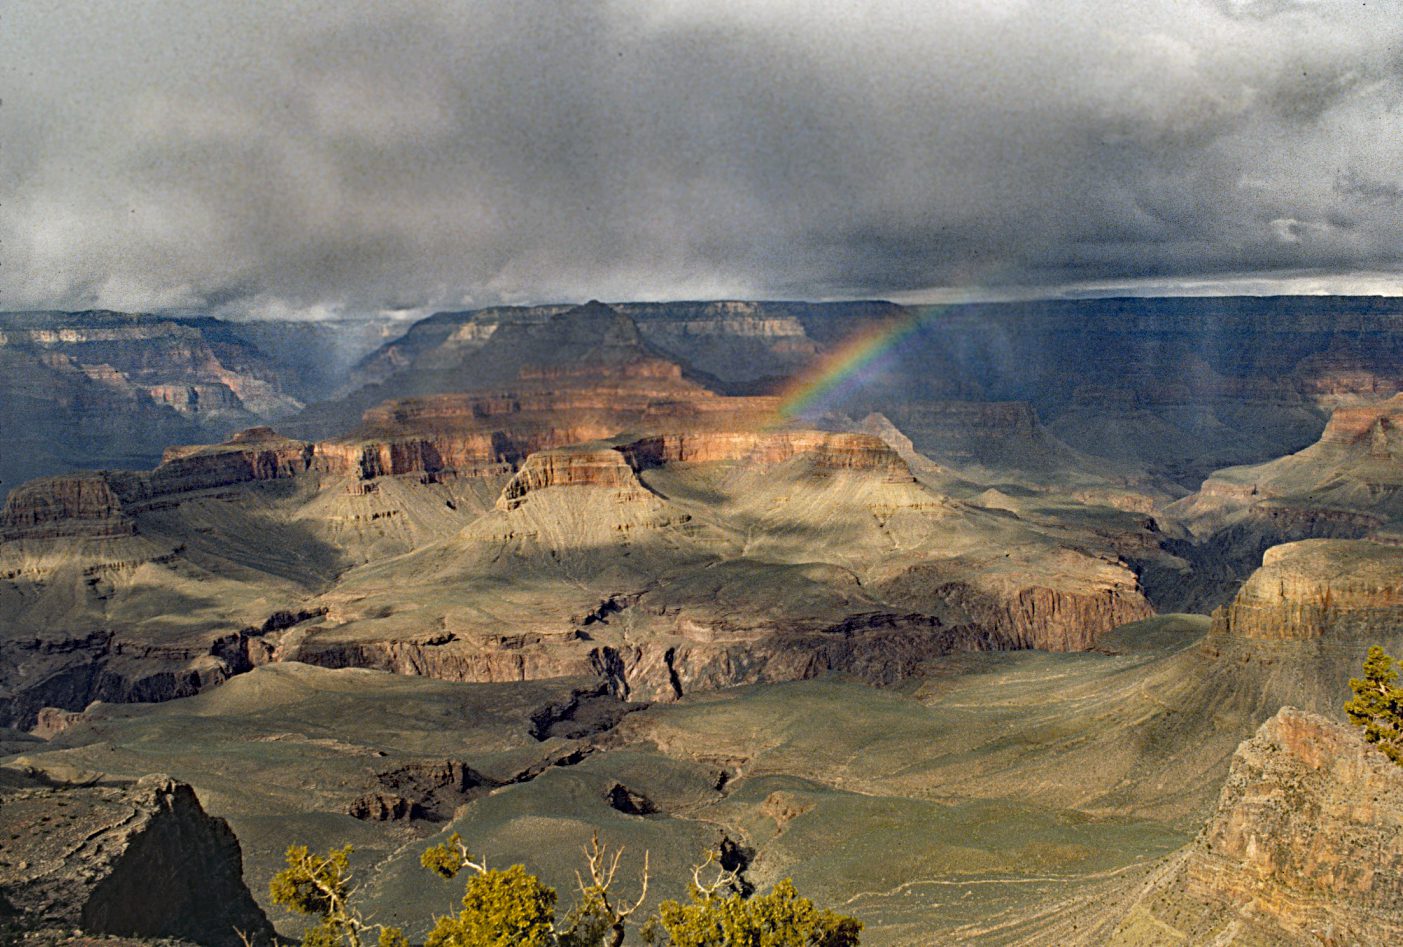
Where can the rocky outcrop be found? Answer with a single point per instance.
(1061, 600)
(1004, 441)
(99, 504)
(74, 505)
(430, 790)
(576, 466)
(1346, 485)
(255, 454)
(1305, 847)
(545, 409)
(881, 649)
(1054, 619)
(138, 859)
(1319, 588)
(740, 344)
(520, 657)
(85, 390)
(1377, 427)
(824, 449)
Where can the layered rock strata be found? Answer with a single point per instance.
(1318, 589)
(645, 531)
(1305, 847)
(72, 505)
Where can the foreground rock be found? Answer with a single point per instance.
(139, 859)
(1305, 847)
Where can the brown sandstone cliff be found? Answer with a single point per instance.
(569, 467)
(1318, 588)
(1305, 847)
(71, 505)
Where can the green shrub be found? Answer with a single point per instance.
(513, 908)
(1377, 705)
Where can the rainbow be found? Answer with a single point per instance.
(862, 356)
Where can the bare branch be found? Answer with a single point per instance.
(479, 866)
(643, 895)
(724, 877)
(603, 869)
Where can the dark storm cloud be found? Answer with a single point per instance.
(357, 157)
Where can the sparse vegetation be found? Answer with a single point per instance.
(321, 885)
(719, 914)
(513, 908)
(1377, 705)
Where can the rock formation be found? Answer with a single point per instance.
(1305, 847)
(1349, 482)
(598, 513)
(1346, 485)
(72, 505)
(138, 859)
(1319, 588)
(689, 479)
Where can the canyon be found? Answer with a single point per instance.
(84, 390)
(617, 568)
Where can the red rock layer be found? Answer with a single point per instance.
(551, 409)
(1353, 425)
(835, 451)
(598, 467)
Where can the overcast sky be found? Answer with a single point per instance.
(310, 158)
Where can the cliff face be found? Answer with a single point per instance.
(578, 466)
(825, 450)
(1348, 484)
(740, 344)
(1305, 847)
(83, 390)
(1005, 442)
(1058, 619)
(77, 505)
(1376, 427)
(62, 670)
(543, 409)
(1056, 600)
(138, 860)
(1251, 376)
(97, 505)
(1353, 470)
(1319, 588)
(645, 530)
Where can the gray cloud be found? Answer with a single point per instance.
(354, 157)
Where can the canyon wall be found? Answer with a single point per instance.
(1316, 589)
(1305, 847)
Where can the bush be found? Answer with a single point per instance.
(513, 908)
(320, 885)
(500, 909)
(782, 918)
